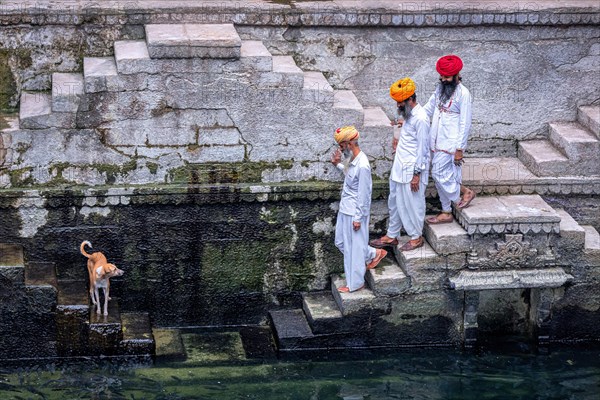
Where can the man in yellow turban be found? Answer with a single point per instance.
(352, 226)
(409, 175)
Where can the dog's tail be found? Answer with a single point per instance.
(81, 248)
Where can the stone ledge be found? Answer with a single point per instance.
(510, 279)
(381, 13)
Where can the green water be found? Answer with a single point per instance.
(414, 374)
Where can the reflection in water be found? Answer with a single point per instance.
(414, 374)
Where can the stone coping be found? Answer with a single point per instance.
(298, 13)
(510, 279)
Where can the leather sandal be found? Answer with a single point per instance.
(437, 220)
(413, 244)
(379, 255)
(346, 289)
(464, 204)
(379, 243)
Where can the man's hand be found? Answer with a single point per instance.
(414, 183)
(458, 158)
(336, 157)
(399, 122)
(356, 225)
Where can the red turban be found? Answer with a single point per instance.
(449, 65)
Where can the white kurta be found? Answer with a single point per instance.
(355, 205)
(450, 128)
(407, 208)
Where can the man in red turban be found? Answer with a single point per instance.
(449, 108)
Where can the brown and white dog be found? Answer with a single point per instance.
(100, 272)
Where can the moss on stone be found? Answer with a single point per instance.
(152, 167)
(236, 172)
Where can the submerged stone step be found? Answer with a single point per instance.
(363, 300)
(322, 312)
(137, 334)
(387, 279)
(579, 145)
(509, 214)
(67, 89)
(12, 264)
(589, 116)
(206, 348)
(193, 41)
(543, 159)
(448, 238)
(105, 331)
(291, 328)
(316, 88)
(169, 345)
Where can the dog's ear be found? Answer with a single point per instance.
(100, 271)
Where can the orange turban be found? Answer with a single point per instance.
(402, 89)
(346, 134)
(449, 65)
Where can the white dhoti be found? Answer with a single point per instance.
(407, 209)
(354, 245)
(447, 177)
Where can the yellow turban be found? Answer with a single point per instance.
(402, 89)
(346, 134)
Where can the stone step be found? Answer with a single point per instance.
(578, 145)
(35, 112)
(589, 116)
(169, 344)
(509, 214)
(105, 331)
(316, 88)
(41, 274)
(322, 312)
(291, 328)
(448, 238)
(591, 251)
(347, 110)
(357, 302)
(72, 318)
(387, 279)
(193, 41)
(99, 74)
(255, 56)
(137, 334)
(12, 264)
(376, 134)
(67, 89)
(132, 57)
(286, 69)
(543, 159)
(572, 235)
(426, 269)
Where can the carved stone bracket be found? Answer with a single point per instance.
(514, 252)
(470, 325)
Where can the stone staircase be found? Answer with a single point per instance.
(498, 243)
(198, 91)
(54, 317)
(572, 148)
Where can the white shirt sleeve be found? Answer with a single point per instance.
(465, 119)
(422, 145)
(363, 203)
(340, 166)
(430, 106)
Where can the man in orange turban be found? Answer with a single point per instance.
(409, 175)
(449, 108)
(352, 226)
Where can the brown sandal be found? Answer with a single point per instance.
(464, 204)
(413, 244)
(437, 220)
(379, 255)
(346, 289)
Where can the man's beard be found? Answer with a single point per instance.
(347, 159)
(447, 90)
(405, 112)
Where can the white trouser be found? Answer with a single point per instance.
(447, 177)
(354, 245)
(407, 209)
